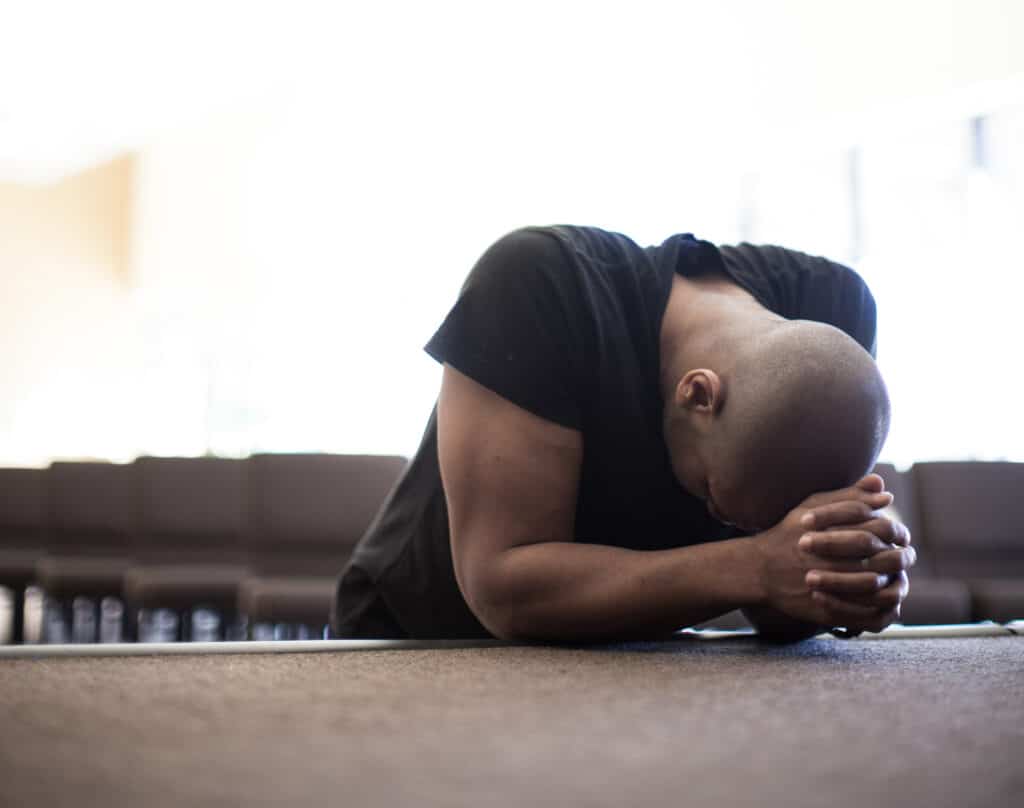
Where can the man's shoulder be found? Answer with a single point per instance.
(588, 238)
(532, 253)
(784, 264)
(523, 256)
(799, 285)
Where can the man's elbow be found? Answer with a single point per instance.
(491, 607)
(496, 620)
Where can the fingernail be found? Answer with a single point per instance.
(806, 542)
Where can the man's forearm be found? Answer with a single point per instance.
(572, 591)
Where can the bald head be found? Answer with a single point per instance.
(762, 411)
(804, 409)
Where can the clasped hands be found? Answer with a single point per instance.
(836, 560)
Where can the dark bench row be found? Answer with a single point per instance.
(263, 537)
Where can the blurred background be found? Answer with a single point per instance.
(230, 228)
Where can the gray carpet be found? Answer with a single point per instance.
(686, 723)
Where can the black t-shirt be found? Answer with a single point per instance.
(565, 322)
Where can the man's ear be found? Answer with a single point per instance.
(700, 391)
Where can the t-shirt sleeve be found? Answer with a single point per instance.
(515, 327)
(808, 287)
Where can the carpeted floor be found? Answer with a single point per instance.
(686, 723)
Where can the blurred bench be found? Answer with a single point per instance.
(306, 513)
(263, 539)
(972, 514)
(191, 550)
(91, 511)
(22, 536)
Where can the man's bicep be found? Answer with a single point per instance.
(510, 477)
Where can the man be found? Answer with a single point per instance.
(632, 440)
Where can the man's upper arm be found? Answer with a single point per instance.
(510, 478)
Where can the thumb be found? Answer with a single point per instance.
(872, 483)
(866, 489)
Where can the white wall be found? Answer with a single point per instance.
(66, 324)
(295, 244)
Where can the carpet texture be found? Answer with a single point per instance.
(681, 723)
